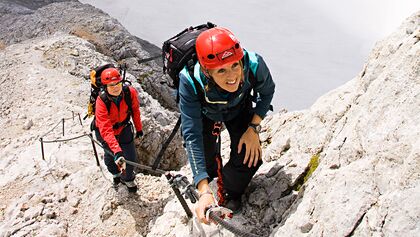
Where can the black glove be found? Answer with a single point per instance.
(139, 134)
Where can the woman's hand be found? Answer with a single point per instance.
(206, 200)
(253, 152)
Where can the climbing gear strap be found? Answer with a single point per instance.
(217, 128)
(165, 145)
(220, 185)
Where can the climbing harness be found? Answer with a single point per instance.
(217, 129)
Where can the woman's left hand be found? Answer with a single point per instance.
(253, 152)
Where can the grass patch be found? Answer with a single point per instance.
(313, 164)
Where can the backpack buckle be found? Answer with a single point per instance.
(217, 128)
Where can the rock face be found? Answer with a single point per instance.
(366, 137)
(21, 22)
(367, 182)
(107, 36)
(67, 194)
(348, 166)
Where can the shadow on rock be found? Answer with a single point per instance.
(269, 198)
(144, 206)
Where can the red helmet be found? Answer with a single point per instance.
(216, 47)
(110, 75)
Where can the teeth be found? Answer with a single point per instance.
(231, 82)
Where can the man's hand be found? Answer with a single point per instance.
(206, 200)
(253, 152)
(120, 162)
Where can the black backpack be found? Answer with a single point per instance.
(179, 51)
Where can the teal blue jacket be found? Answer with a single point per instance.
(218, 105)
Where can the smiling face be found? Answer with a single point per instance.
(228, 77)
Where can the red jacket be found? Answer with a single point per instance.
(105, 120)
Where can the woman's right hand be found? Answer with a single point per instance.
(205, 201)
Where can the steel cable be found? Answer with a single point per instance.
(65, 140)
(213, 216)
(52, 129)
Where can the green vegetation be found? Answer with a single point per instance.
(313, 164)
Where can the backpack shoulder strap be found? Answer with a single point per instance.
(253, 66)
(106, 100)
(193, 76)
(127, 98)
(253, 61)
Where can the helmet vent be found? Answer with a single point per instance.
(211, 56)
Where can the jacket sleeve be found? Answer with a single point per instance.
(105, 127)
(264, 87)
(135, 107)
(192, 129)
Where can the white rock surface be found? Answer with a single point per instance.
(66, 194)
(365, 133)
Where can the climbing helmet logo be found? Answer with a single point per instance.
(226, 54)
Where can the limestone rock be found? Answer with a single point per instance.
(348, 166)
(28, 124)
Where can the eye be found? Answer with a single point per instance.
(221, 71)
(235, 65)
